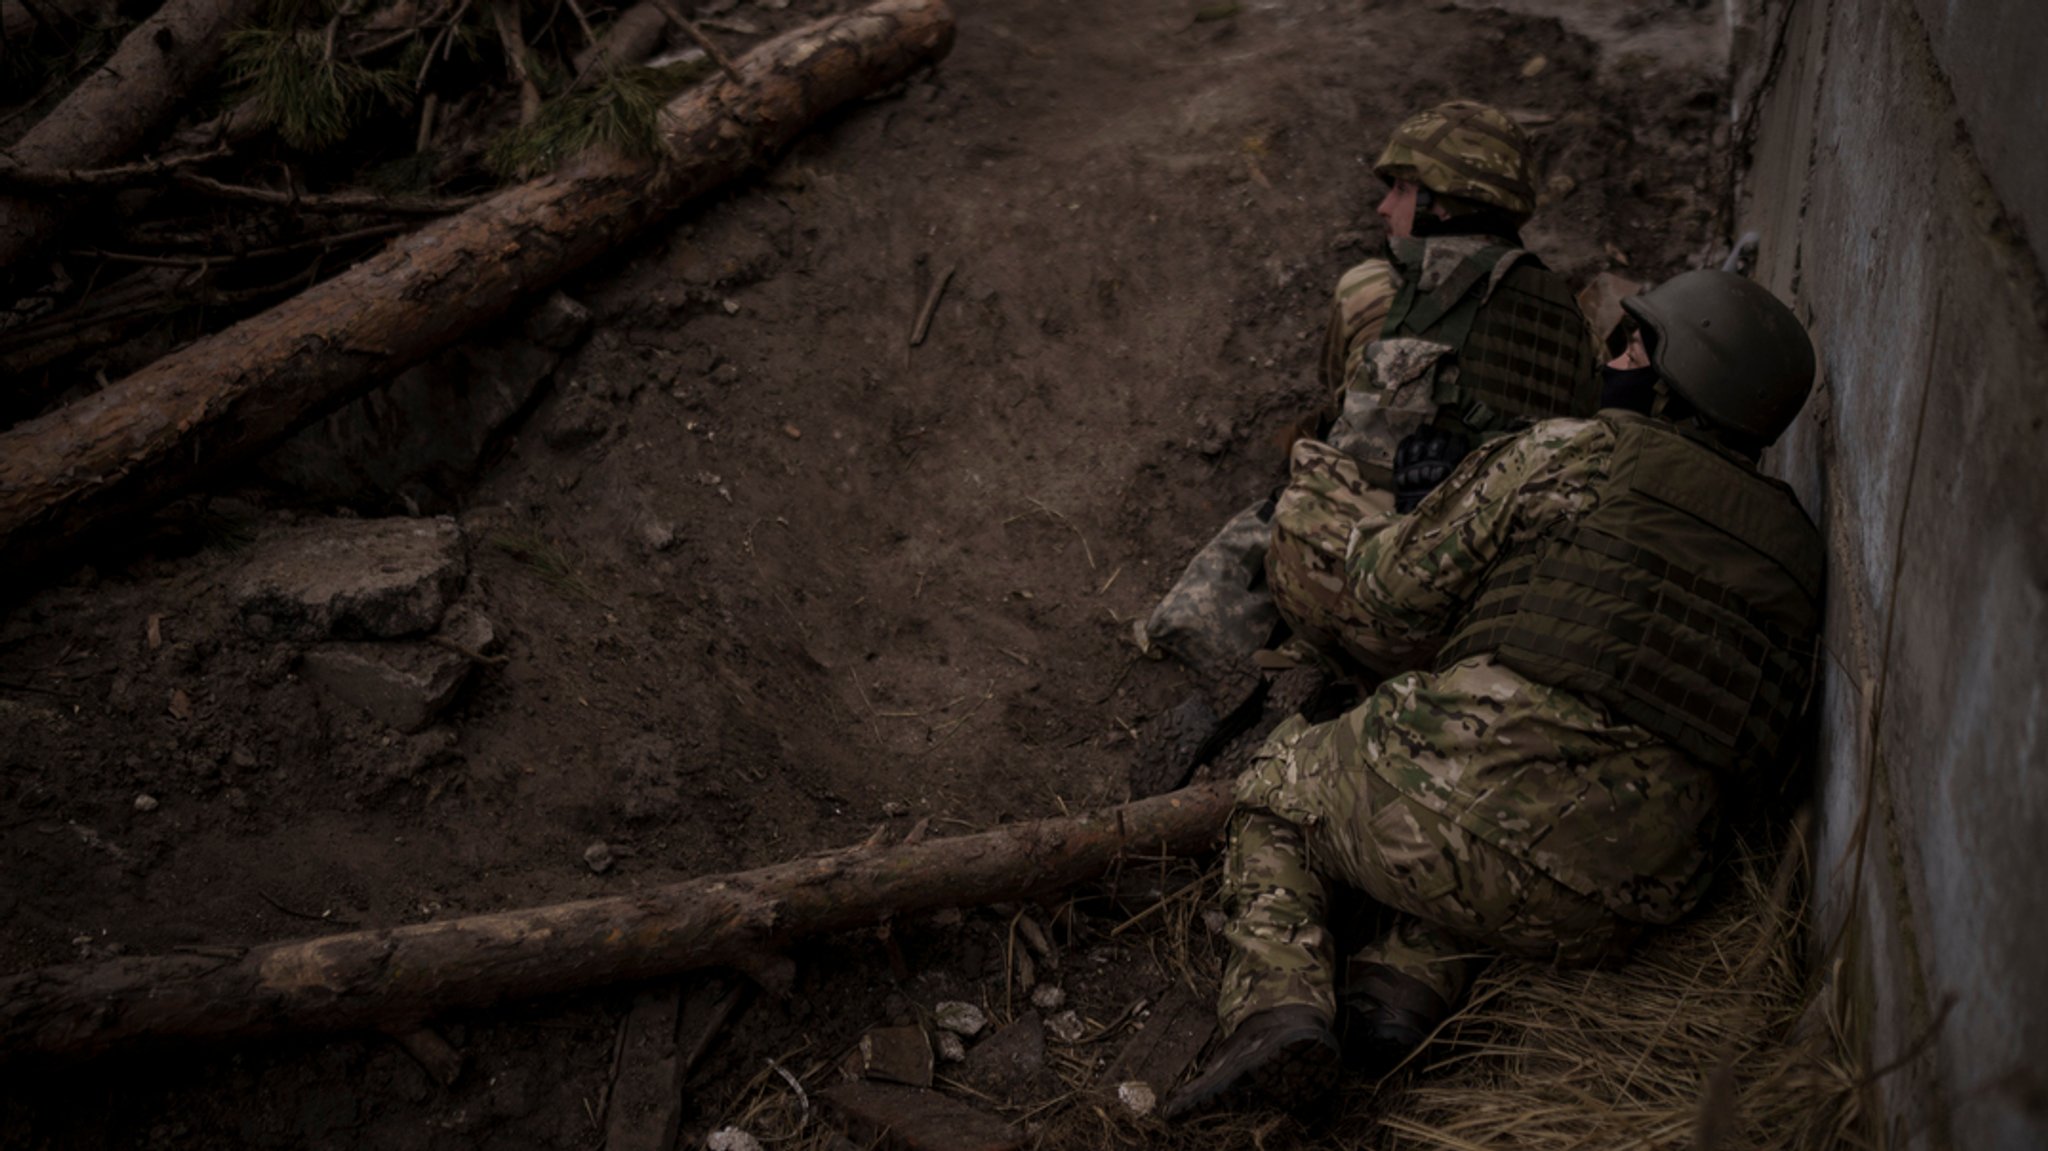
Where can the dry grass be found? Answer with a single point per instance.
(1716, 1036)
(1713, 1037)
(548, 560)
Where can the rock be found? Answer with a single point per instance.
(580, 420)
(916, 1119)
(1066, 1027)
(419, 437)
(731, 1139)
(1601, 301)
(468, 628)
(146, 803)
(960, 1018)
(351, 579)
(895, 1054)
(558, 323)
(657, 535)
(1048, 996)
(951, 1047)
(1009, 1065)
(1137, 1097)
(598, 857)
(404, 685)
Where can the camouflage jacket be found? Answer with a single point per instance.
(1599, 804)
(1377, 388)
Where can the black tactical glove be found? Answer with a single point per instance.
(1422, 460)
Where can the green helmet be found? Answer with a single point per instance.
(1467, 150)
(1730, 347)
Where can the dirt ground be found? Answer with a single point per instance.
(767, 577)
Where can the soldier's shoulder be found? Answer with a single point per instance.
(1576, 436)
(1375, 274)
(1560, 429)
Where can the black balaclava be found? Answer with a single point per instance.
(1631, 389)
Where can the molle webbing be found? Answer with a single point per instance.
(1529, 353)
(1522, 349)
(1632, 608)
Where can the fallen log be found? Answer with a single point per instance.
(220, 401)
(116, 108)
(400, 977)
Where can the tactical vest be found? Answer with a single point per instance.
(1687, 601)
(1522, 350)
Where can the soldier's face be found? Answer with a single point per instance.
(1398, 208)
(1633, 356)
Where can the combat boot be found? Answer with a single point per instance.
(1283, 1057)
(1387, 1016)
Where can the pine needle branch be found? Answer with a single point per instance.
(311, 94)
(620, 111)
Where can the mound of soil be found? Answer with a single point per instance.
(765, 576)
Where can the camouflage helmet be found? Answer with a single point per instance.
(1467, 150)
(1730, 347)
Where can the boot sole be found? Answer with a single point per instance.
(1306, 1070)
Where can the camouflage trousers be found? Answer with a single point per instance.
(1326, 504)
(1306, 822)
(1219, 611)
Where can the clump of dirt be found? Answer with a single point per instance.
(767, 576)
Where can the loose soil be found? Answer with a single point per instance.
(769, 577)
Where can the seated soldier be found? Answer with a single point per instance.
(1457, 334)
(1596, 633)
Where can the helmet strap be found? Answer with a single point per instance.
(1666, 404)
(1438, 214)
(1489, 221)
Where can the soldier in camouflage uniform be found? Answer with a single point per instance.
(1596, 631)
(1456, 335)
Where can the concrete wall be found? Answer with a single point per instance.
(1897, 167)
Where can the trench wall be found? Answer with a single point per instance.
(1898, 164)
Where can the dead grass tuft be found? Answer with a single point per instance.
(548, 560)
(1717, 1035)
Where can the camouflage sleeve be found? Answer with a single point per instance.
(1416, 575)
(1359, 309)
(1330, 371)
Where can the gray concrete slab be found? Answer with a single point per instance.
(1884, 194)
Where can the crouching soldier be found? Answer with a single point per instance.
(1595, 633)
(1455, 334)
